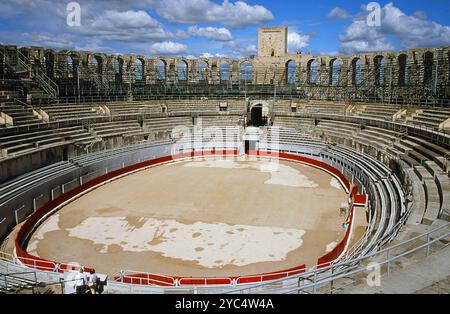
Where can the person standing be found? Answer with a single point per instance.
(93, 282)
(80, 282)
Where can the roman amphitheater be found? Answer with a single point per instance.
(276, 173)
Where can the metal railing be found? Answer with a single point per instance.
(314, 279)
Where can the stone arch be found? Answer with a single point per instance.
(379, 67)
(161, 69)
(403, 71)
(182, 69)
(118, 69)
(246, 68)
(97, 63)
(139, 69)
(225, 71)
(313, 71)
(49, 58)
(357, 67)
(203, 67)
(291, 72)
(428, 60)
(335, 71)
(72, 61)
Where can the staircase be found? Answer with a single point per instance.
(20, 65)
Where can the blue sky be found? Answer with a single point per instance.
(209, 27)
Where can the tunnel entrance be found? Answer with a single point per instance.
(256, 118)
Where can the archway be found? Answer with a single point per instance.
(335, 72)
(357, 79)
(182, 68)
(379, 70)
(313, 71)
(203, 70)
(428, 68)
(247, 71)
(224, 71)
(256, 116)
(291, 72)
(403, 70)
(139, 70)
(160, 70)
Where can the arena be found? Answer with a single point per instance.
(276, 173)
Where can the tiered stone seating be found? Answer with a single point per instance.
(24, 143)
(192, 107)
(378, 111)
(337, 129)
(237, 107)
(431, 117)
(21, 116)
(66, 112)
(161, 128)
(118, 129)
(328, 108)
(209, 121)
(303, 124)
(133, 108)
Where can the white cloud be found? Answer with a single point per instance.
(237, 14)
(219, 34)
(297, 41)
(210, 55)
(339, 14)
(168, 48)
(124, 26)
(410, 31)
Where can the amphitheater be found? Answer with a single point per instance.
(275, 173)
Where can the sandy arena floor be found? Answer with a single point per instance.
(201, 218)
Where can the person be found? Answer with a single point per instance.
(80, 282)
(93, 282)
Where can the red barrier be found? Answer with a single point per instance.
(160, 280)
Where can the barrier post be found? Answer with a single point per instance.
(389, 262)
(314, 281)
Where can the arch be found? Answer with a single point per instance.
(403, 73)
(97, 63)
(379, 64)
(160, 70)
(291, 72)
(118, 69)
(313, 71)
(428, 59)
(202, 70)
(335, 72)
(247, 71)
(357, 68)
(256, 113)
(72, 66)
(139, 69)
(225, 71)
(49, 63)
(182, 68)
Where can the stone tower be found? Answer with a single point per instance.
(272, 41)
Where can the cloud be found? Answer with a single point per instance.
(124, 26)
(238, 14)
(210, 55)
(168, 48)
(219, 34)
(297, 41)
(410, 31)
(339, 14)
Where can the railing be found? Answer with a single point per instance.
(23, 65)
(312, 280)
